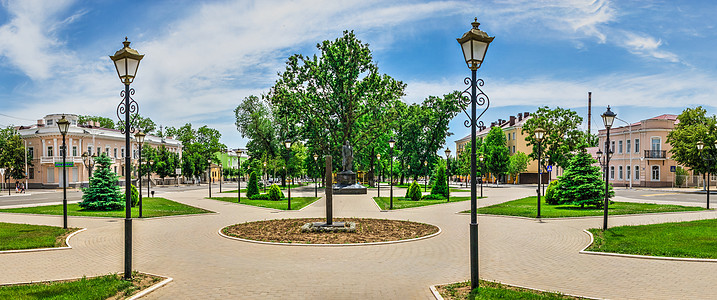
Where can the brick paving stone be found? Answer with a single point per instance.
(536, 254)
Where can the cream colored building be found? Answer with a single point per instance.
(43, 142)
(515, 141)
(641, 152)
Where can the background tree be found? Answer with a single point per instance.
(518, 163)
(12, 153)
(562, 136)
(104, 122)
(103, 193)
(166, 162)
(582, 183)
(254, 120)
(496, 153)
(253, 187)
(323, 98)
(694, 125)
(440, 185)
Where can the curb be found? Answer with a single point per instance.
(331, 245)
(151, 288)
(592, 217)
(435, 292)
(67, 241)
(687, 259)
(438, 296)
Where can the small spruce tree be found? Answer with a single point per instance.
(414, 192)
(135, 195)
(440, 185)
(275, 193)
(253, 188)
(582, 183)
(103, 193)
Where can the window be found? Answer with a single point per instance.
(122, 152)
(107, 151)
(62, 150)
(637, 172)
(31, 173)
(513, 149)
(627, 146)
(74, 150)
(508, 136)
(514, 135)
(122, 170)
(612, 146)
(655, 144)
(655, 173)
(31, 152)
(619, 172)
(619, 147)
(115, 169)
(49, 122)
(637, 145)
(50, 174)
(612, 172)
(49, 151)
(115, 152)
(627, 172)
(89, 150)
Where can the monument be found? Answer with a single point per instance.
(346, 179)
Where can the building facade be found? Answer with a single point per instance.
(515, 141)
(43, 143)
(641, 153)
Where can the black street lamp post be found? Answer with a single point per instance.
(391, 143)
(239, 176)
(316, 184)
(209, 176)
(126, 62)
(448, 174)
(700, 147)
(140, 140)
(539, 134)
(474, 44)
(378, 182)
(287, 144)
(607, 117)
(64, 125)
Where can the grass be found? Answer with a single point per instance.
(527, 207)
(283, 188)
(151, 207)
(495, 290)
(24, 236)
(102, 287)
(696, 239)
(460, 190)
(400, 202)
(296, 202)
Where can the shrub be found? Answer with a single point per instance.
(550, 196)
(253, 188)
(260, 197)
(440, 186)
(275, 193)
(414, 192)
(135, 195)
(680, 176)
(433, 197)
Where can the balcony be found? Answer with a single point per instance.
(656, 154)
(58, 159)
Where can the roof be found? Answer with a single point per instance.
(503, 126)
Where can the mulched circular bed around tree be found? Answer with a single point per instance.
(367, 231)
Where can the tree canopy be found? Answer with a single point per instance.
(561, 134)
(12, 153)
(496, 152)
(694, 125)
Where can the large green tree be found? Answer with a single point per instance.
(496, 154)
(562, 136)
(517, 164)
(694, 125)
(12, 153)
(254, 120)
(325, 99)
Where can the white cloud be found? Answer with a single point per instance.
(28, 38)
(645, 45)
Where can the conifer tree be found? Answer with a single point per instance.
(440, 186)
(253, 188)
(103, 193)
(582, 183)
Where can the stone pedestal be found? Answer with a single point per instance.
(346, 184)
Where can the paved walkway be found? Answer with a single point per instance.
(536, 254)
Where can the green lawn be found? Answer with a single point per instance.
(24, 236)
(400, 202)
(527, 207)
(99, 288)
(494, 290)
(296, 202)
(463, 190)
(243, 190)
(151, 207)
(697, 239)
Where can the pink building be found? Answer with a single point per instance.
(43, 142)
(641, 152)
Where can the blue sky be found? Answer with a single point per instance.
(644, 58)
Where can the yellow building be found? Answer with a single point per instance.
(515, 141)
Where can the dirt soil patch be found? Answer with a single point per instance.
(367, 231)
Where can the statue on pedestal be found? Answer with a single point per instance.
(347, 153)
